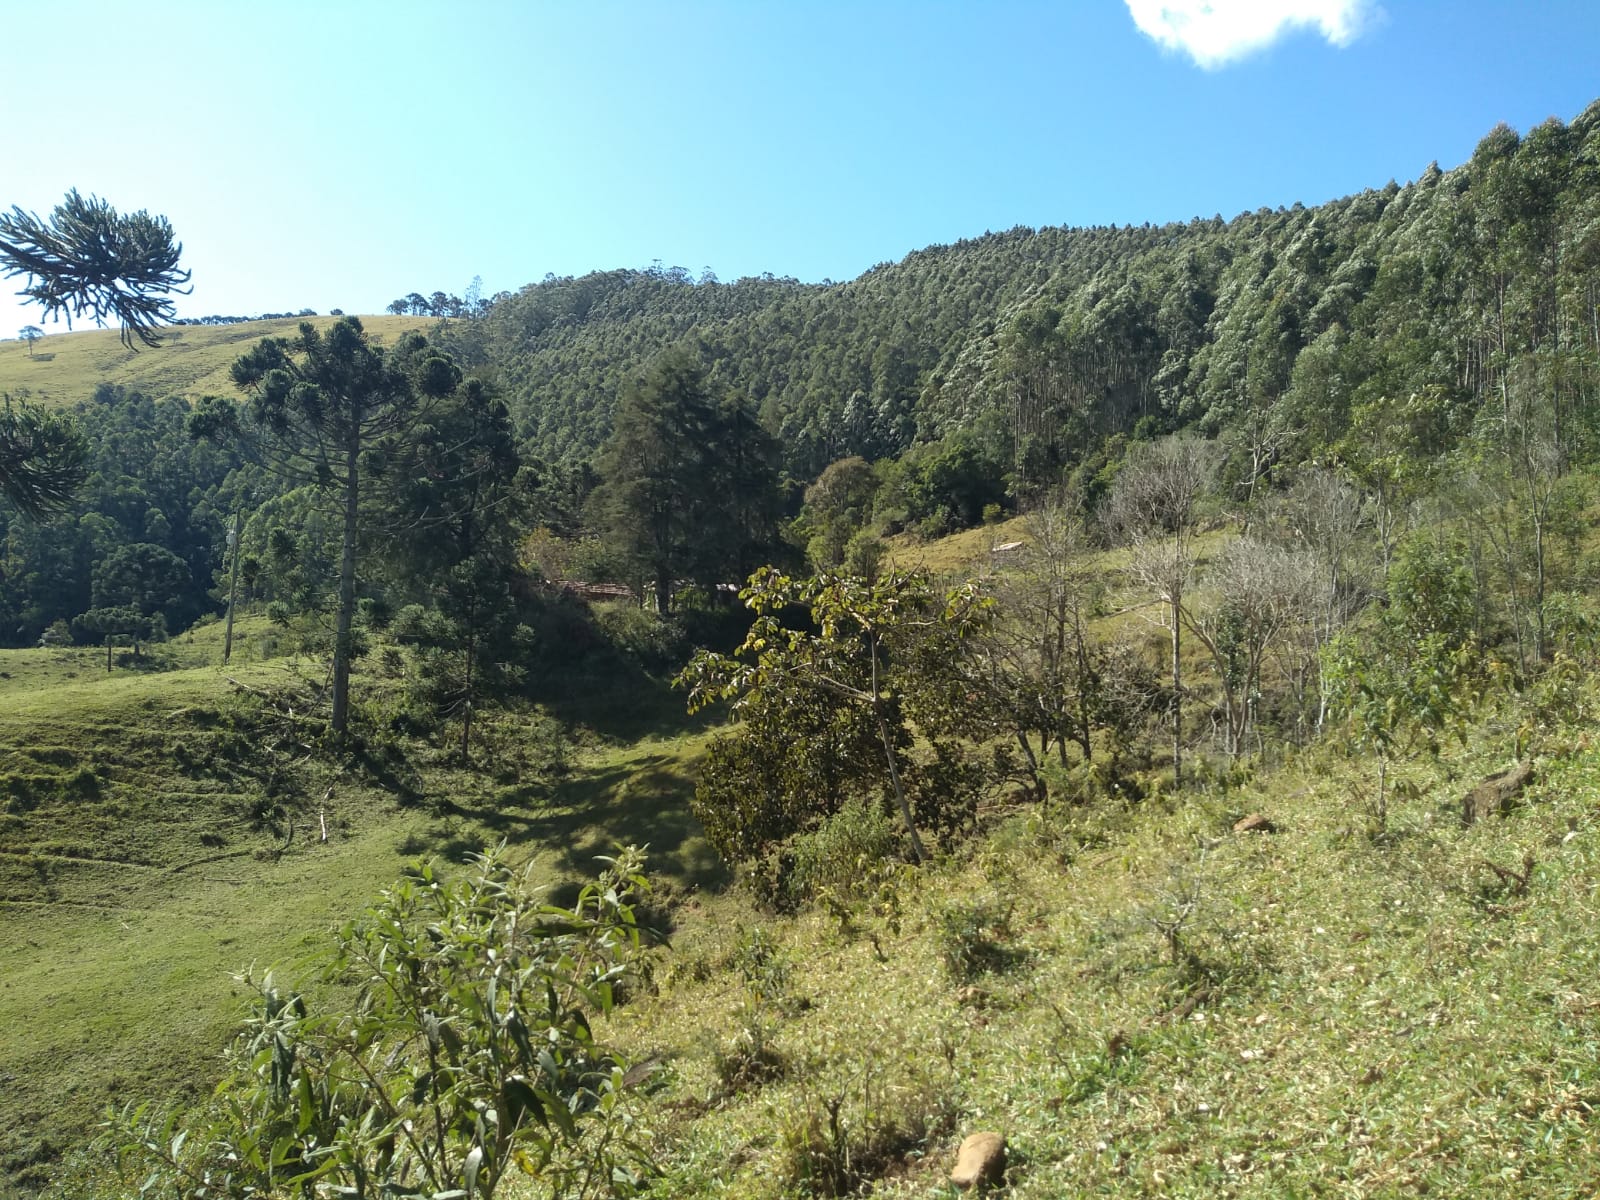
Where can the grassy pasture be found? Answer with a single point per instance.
(192, 360)
(1144, 1002)
(146, 858)
(1332, 1016)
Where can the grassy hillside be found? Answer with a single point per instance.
(192, 360)
(160, 832)
(1146, 1003)
(1143, 1000)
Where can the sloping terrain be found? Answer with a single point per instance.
(192, 360)
(1146, 1002)
(162, 829)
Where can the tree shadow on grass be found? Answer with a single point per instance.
(594, 811)
(623, 704)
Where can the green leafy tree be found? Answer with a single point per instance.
(688, 487)
(1408, 678)
(1392, 450)
(111, 623)
(143, 576)
(453, 498)
(872, 657)
(653, 471)
(322, 409)
(30, 334)
(741, 522)
(837, 507)
(466, 1057)
(89, 259)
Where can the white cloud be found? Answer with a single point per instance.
(1217, 32)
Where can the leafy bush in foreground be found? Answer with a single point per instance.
(468, 1050)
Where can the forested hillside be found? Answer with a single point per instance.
(1039, 344)
(974, 376)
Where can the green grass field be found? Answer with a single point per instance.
(1156, 1006)
(150, 849)
(192, 360)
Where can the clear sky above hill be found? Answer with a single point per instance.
(320, 155)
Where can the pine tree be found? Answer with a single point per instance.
(321, 409)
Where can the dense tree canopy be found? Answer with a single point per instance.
(42, 456)
(1040, 344)
(687, 481)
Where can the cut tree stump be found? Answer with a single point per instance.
(1493, 797)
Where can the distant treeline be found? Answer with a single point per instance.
(446, 305)
(218, 319)
(970, 380)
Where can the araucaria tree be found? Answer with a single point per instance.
(323, 407)
(43, 458)
(88, 259)
(453, 495)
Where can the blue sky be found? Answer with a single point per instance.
(343, 154)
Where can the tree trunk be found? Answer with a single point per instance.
(233, 585)
(918, 851)
(342, 640)
(467, 699)
(1177, 693)
(1029, 756)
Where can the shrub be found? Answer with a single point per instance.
(844, 857)
(468, 1051)
(655, 642)
(749, 1059)
(975, 936)
(835, 1145)
(760, 961)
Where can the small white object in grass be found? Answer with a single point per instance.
(1320, 929)
(1202, 1107)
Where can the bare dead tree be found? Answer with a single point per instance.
(1325, 516)
(1037, 663)
(1258, 593)
(1154, 507)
